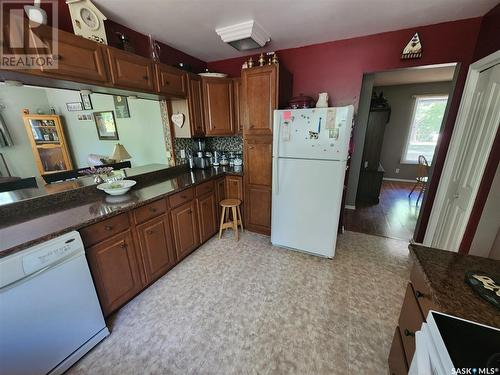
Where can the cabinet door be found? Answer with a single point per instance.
(195, 106)
(259, 85)
(129, 70)
(115, 271)
(170, 81)
(258, 161)
(220, 194)
(78, 59)
(238, 105)
(207, 216)
(157, 251)
(185, 227)
(234, 187)
(258, 209)
(218, 106)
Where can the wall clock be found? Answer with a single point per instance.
(87, 20)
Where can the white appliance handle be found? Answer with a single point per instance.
(276, 153)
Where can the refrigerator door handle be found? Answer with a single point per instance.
(275, 183)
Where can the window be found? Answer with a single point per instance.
(426, 121)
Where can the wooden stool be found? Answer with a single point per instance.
(234, 205)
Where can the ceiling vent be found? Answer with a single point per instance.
(244, 36)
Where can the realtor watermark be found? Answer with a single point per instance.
(26, 41)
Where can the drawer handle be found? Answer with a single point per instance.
(190, 212)
(108, 227)
(183, 196)
(150, 231)
(123, 245)
(152, 209)
(167, 83)
(409, 333)
(419, 294)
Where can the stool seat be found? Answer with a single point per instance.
(230, 202)
(230, 206)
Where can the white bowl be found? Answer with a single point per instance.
(117, 187)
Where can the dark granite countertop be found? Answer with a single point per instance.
(445, 274)
(26, 228)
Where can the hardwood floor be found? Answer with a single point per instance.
(395, 216)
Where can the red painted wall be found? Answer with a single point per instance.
(338, 67)
(489, 34)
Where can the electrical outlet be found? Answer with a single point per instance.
(183, 154)
(397, 170)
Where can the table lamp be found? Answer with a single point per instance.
(119, 153)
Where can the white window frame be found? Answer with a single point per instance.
(412, 118)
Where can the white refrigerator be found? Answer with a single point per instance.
(310, 150)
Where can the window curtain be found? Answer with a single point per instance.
(5, 139)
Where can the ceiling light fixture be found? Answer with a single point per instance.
(244, 36)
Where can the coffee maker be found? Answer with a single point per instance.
(200, 159)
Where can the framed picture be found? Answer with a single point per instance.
(106, 126)
(74, 106)
(121, 107)
(87, 103)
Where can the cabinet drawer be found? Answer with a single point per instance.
(397, 360)
(422, 290)
(149, 211)
(104, 229)
(204, 188)
(410, 321)
(181, 197)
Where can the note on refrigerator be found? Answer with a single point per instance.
(330, 118)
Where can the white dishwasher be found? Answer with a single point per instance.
(49, 312)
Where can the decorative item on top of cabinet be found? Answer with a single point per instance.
(129, 70)
(88, 20)
(218, 106)
(115, 271)
(78, 59)
(170, 81)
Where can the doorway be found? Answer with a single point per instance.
(402, 120)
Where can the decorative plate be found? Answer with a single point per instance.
(216, 75)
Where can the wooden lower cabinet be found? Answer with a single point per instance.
(397, 359)
(258, 209)
(115, 271)
(156, 246)
(207, 216)
(185, 228)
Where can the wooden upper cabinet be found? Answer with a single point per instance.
(156, 247)
(78, 59)
(185, 227)
(129, 70)
(258, 161)
(195, 105)
(260, 91)
(170, 81)
(238, 105)
(115, 271)
(218, 106)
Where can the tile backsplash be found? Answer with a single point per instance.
(234, 144)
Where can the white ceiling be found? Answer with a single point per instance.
(407, 76)
(189, 25)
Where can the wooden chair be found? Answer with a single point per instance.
(232, 205)
(422, 176)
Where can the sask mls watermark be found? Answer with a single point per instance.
(26, 41)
